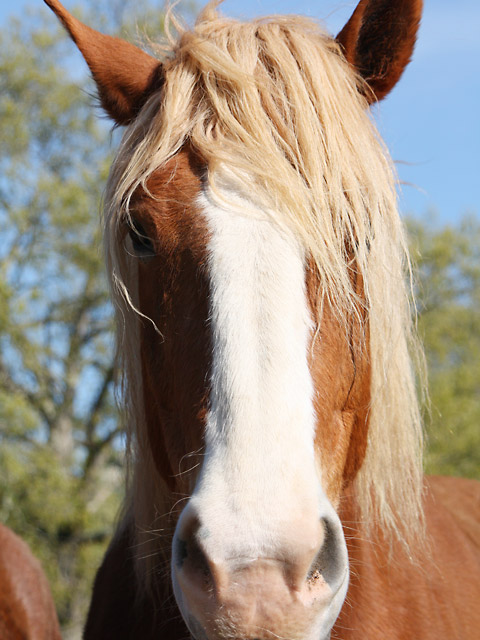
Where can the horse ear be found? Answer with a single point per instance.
(125, 75)
(379, 39)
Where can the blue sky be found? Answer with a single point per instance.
(431, 120)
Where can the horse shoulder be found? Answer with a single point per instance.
(27, 610)
(436, 595)
(459, 497)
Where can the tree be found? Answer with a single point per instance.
(60, 438)
(448, 270)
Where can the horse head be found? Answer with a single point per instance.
(257, 262)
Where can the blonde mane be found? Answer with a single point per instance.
(274, 100)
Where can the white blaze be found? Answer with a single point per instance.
(259, 484)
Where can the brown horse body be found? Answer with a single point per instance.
(393, 598)
(264, 329)
(389, 596)
(27, 611)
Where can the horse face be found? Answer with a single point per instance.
(253, 411)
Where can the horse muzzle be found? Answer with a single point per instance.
(295, 594)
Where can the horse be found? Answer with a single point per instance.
(262, 286)
(27, 611)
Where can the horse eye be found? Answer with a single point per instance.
(142, 245)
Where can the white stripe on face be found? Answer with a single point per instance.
(259, 480)
(258, 548)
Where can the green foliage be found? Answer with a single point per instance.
(61, 446)
(449, 324)
(48, 505)
(60, 442)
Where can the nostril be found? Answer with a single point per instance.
(187, 552)
(197, 560)
(327, 564)
(180, 552)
